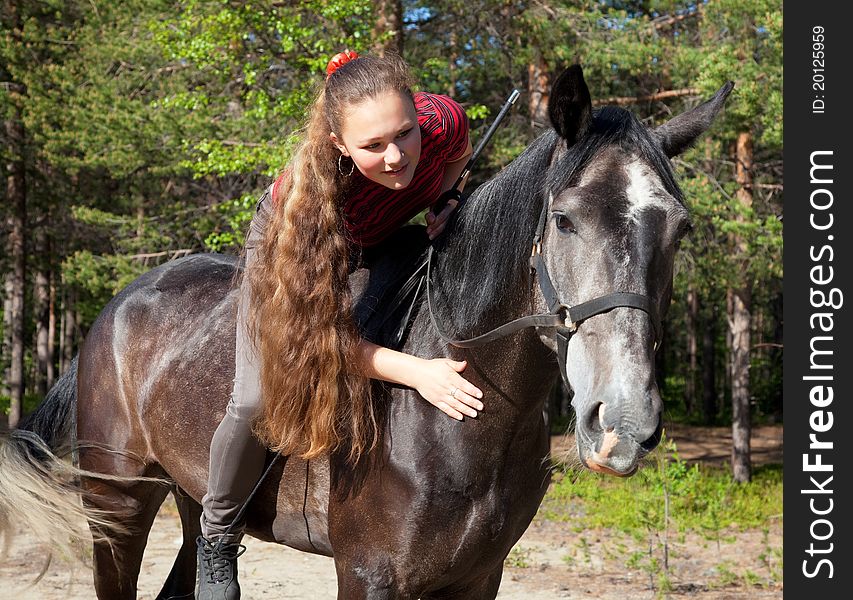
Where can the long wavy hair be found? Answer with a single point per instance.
(300, 317)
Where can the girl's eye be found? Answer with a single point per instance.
(403, 134)
(564, 223)
(373, 146)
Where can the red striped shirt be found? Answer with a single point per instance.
(372, 211)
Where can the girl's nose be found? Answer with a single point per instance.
(393, 154)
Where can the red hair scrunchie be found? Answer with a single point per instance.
(339, 59)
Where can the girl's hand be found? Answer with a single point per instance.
(439, 382)
(445, 204)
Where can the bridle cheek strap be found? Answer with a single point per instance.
(575, 315)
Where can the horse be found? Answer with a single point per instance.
(436, 508)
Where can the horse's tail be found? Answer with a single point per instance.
(53, 420)
(39, 489)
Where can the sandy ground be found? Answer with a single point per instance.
(550, 561)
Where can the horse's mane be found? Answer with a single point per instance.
(483, 259)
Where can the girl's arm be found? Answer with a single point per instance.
(437, 380)
(452, 170)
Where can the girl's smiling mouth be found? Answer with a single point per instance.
(397, 172)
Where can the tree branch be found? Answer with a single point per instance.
(667, 20)
(12, 86)
(239, 143)
(175, 254)
(623, 100)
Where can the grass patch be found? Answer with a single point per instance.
(667, 499)
(666, 493)
(519, 557)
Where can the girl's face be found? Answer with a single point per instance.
(382, 137)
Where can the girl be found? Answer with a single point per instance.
(373, 156)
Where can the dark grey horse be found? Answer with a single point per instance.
(433, 512)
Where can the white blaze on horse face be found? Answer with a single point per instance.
(645, 190)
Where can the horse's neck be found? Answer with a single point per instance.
(515, 373)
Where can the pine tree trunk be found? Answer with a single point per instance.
(727, 375)
(41, 310)
(739, 322)
(69, 320)
(41, 297)
(61, 355)
(7, 332)
(692, 345)
(453, 56)
(709, 371)
(16, 196)
(51, 333)
(741, 427)
(389, 22)
(539, 86)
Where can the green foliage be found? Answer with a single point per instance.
(29, 403)
(255, 69)
(237, 214)
(477, 111)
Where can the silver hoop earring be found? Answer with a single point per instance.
(340, 168)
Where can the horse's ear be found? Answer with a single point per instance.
(570, 106)
(677, 134)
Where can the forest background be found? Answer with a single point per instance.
(139, 131)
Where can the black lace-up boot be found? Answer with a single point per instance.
(217, 570)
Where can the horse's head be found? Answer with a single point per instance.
(613, 221)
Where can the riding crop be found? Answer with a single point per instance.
(442, 201)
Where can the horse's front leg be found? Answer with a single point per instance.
(368, 577)
(483, 588)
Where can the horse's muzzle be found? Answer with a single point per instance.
(613, 451)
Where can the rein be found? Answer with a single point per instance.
(564, 318)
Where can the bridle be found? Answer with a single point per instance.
(563, 318)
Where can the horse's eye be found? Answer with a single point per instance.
(564, 223)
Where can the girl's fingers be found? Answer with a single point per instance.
(469, 399)
(466, 386)
(449, 411)
(437, 223)
(459, 405)
(467, 404)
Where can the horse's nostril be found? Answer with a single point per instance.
(593, 420)
(652, 442)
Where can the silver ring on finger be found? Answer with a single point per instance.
(453, 392)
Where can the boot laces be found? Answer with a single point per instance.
(219, 559)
